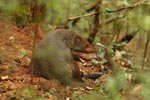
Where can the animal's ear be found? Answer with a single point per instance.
(77, 39)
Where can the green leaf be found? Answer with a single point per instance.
(100, 44)
(22, 53)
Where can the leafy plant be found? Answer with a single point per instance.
(27, 93)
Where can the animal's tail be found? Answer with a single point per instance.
(93, 76)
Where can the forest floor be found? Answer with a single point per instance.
(16, 80)
(18, 83)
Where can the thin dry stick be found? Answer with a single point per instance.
(113, 19)
(107, 11)
(96, 27)
(34, 42)
(119, 31)
(145, 50)
(80, 16)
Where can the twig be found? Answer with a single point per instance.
(93, 6)
(145, 50)
(96, 23)
(34, 43)
(107, 11)
(128, 7)
(81, 16)
(113, 19)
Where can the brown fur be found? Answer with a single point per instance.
(53, 58)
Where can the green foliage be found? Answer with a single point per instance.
(115, 84)
(101, 53)
(145, 81)
(27, 93)
(22, 53)
(140, 20)
(58, 11)
(8, 6)
(89, 96)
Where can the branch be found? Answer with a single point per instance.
(81, 16)
(145, 50)
(107, 11)
(128, 7)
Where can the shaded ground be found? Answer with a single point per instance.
(16, 81)
(16, 49)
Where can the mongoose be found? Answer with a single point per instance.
(53, 57)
